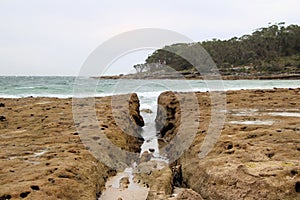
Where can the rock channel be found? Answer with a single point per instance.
(43, 156)
(251, 159)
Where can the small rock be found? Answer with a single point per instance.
(145, 157)
(189, 194)
(147, 111)
(124, 182)
(2, 105)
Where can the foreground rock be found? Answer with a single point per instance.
(257, 155)
(157, 176)
(42, 155)
(187, 194)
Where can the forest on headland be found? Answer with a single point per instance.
(274, 49)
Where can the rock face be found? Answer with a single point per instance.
(177, 117)
(126, 113)
(134, 110)
(187, 194)
(257, 155)
(157, 176)
(42, 155)
(177, 176)
(168, 111)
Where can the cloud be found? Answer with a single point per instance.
(55, 37)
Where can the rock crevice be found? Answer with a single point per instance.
(45, 157)
(250, 160)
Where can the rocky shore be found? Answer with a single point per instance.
(42, 155)
(257, 155)
(196, 76)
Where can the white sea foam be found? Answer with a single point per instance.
(62, 87)
(253, 122)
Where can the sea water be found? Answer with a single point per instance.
(63, 87)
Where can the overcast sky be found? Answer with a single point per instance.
(54, 37)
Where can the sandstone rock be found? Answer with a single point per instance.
(44, 155)
(146, 111)
(146, 156)
(177, 176)
(177, 116)
(255, 162)
(168, 106)
(156, 175)
(124, 182)
(134, 109)
(188, 194)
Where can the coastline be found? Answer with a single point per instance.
(257, 153)
(190, 76)
(43, 157)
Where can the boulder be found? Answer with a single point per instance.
(146, 156)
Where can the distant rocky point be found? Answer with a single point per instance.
(191, 75)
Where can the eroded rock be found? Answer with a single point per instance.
(255, 161)
(45, 157)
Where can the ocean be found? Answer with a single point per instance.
(147, 90)
(63, 87)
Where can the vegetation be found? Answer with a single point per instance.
(274, 49)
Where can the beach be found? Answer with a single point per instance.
(255, 157)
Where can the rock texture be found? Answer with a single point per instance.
(187, 194)
(134, 109)
(257, 155)
(168, 111)
(157, 176)
(42, 155)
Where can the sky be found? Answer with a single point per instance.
(55, 37)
